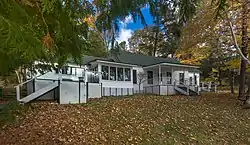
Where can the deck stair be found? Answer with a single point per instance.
(39, 93)
(36, 93)
(184, 89)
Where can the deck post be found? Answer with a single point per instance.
(33, 85)
(18, 93)
(160, 79)
(194, 79)
(59, 91)
(167, 90)
(209, 86)
(101, 90)
(172, 74)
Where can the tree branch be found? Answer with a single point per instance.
(236, 44)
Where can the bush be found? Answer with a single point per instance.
(9, 112)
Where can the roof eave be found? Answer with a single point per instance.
(172, 64)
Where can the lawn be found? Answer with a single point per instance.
(208, 119)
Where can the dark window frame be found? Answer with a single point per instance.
(134, 76)
(119, 78)
(105, 76)
(195, 80)
(129, 74)
(190, 81)
(115, 70)
(65, 70)
(183, 78)
(150, 77)
(169, 75)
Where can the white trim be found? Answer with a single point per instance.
(117, 63)
(170, 64)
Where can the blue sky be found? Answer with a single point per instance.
(127, 27)
(138, 25)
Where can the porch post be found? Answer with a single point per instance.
(194, 80)
(99, 71)
(160, 82)
(184, 76)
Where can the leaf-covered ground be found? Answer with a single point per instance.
(208, 119)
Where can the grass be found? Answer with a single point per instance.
(208, 119)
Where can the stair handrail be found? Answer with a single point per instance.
(18, 97)
(187, 85)
(29, 80)
(175, 85)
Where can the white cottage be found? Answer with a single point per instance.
(122, 74)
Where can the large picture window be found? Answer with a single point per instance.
(120, 74)
(105, 72)
(112, 73)
(127, 74)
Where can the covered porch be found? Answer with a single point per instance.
(163, 78)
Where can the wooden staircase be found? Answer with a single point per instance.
(35, 94)
(184, 89)
(39, 93)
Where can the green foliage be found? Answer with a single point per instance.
(9, 112)
(97, 46)
(46, 30)
(143, 41)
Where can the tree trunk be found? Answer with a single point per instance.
(232, 82)
(219, 77)
(113, 39)
(244, 51)
(139, 87)
(247, 102)
(156, 40)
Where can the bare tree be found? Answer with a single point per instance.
(141, 79)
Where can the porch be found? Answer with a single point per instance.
(170, 79)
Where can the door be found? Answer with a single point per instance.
(181, 78)
(150, 77)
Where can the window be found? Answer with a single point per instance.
(112, 73)
(120, 74)
(181, 78)
(105, 72)
(127, 74)
(169, 78)
(67, 70)
(150, 77)
(160, 77)
(134, 77)
(73, 71)
(190, 81)
(195, 79)
(93, 77)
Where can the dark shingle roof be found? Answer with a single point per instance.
(87, 59)
(140, 59)
(131, 58)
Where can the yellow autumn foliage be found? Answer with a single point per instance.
(90, 20)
